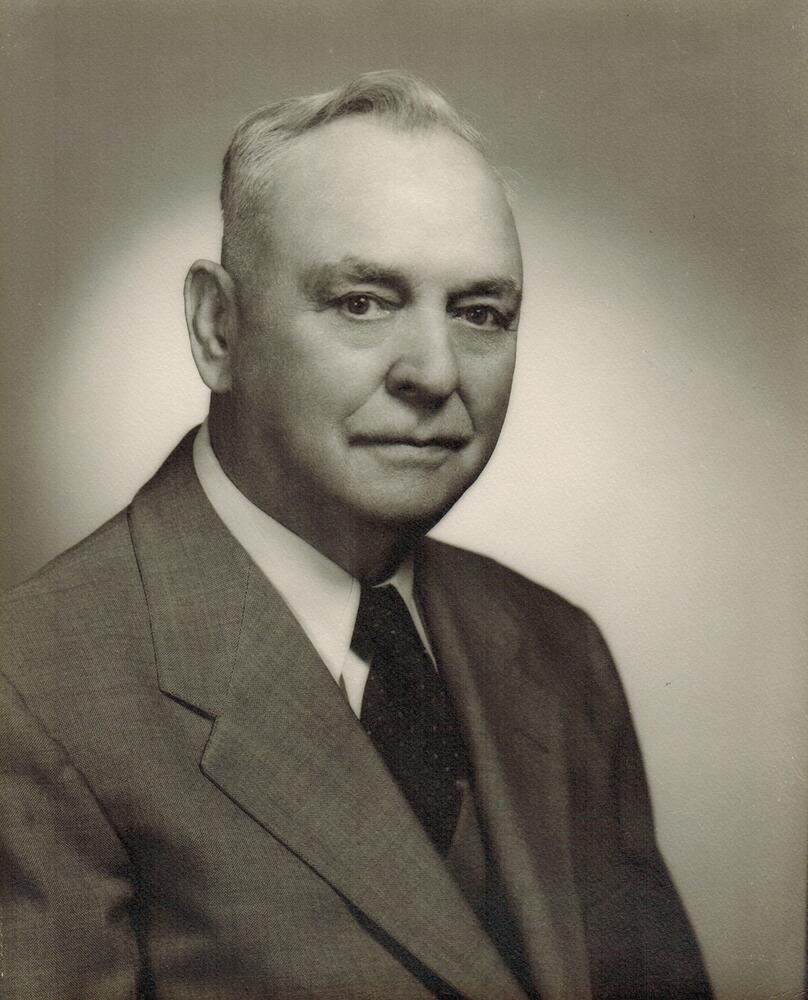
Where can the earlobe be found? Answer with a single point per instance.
(210, 312)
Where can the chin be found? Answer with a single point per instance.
(410, 511)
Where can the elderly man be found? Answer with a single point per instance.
(264, 739)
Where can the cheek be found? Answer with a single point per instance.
(490, 388)
(278, 372)
(334, 377)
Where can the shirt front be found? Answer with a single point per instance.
(322, 596)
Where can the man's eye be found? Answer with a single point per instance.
(361, 306)
(486, 317)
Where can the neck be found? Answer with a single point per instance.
(369, 554)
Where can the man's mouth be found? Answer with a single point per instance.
(444, 442)
(411, 452)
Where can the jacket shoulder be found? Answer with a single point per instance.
(97, 578)
(94, 565)
(85, 605)
(552, 631)
(484, 578)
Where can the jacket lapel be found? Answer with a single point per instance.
(285, 745)
(515, 729)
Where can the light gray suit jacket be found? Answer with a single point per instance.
(193, 811)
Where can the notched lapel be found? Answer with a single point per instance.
(287, 748)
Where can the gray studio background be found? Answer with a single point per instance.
(654, 467)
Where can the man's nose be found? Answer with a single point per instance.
(425, 371)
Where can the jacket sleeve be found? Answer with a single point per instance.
(68, 923)
(641, 941)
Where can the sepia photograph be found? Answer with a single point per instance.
(405, 490)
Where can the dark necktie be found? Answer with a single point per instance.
(407, 714)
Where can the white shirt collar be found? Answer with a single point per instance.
(322, 596)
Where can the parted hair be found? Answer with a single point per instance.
(262, 136)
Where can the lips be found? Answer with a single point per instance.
(409, 453)
(447, 442)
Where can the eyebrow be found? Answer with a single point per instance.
(496, 288)
(318, 281)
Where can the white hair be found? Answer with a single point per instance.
(262, 137)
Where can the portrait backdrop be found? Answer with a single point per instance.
(654, 466)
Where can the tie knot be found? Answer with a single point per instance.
(383, 619)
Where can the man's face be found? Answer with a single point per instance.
(377, 327)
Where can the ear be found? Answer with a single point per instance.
(211, 314)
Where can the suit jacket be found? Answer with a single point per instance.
(193, 811)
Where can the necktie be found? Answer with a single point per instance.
(407, 714)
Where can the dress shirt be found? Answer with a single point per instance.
(322, 596)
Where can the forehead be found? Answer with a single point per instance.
(416, 197)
